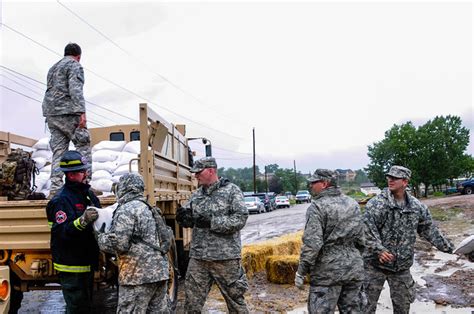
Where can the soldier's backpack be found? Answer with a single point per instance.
(17, 174)
(163, 231)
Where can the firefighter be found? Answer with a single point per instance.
(73, 245)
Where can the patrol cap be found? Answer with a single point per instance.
(323, 174)
(399, 172)
(203, 163)
(73, 161)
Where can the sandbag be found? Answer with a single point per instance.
(47, 154)
(109, 145)
(105, 216)
(101, 174)
(132, 147)
(105, 155)
(42, 144)
(46, 169)
(116, 179)
(125, 158)
(466, 246)
(123, 169)
(41, 181)
(108, 166)
(40, 162)
(104, 185)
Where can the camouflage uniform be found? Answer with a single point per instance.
(63, 104)
(392, 227)
(215, 249)
(331, 253)
(143, 271)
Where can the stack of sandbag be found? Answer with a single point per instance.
(110, 160)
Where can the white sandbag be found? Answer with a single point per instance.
(101, 174)
(125, 158)
(71, 146)
(123, 169)
(109, 166)
(47, 154)
(132, 147)
(41, 180)
(109, 145)
(47, 186)
(466, 246)
(104, 185)
(42, 144)
(105, 216)
(105, 155)
(115, 179)
(45, 192)
(46, 169)
(40, 162)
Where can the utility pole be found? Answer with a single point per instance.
(294, 170)
(254, 169)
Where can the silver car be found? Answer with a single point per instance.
(254, 204)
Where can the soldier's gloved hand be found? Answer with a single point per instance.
(299, 281)
(202, 222)
(89, 215)
(180, 214)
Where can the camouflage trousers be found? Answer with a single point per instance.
(324, 299)
(144, 298)
(402, 288)
(63, 130)
(229, 277)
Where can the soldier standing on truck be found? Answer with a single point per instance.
(217, 213)
(73, 245)
(143, 271)
(65, 110)
(333, 241)
(393, 219)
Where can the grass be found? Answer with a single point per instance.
(441, 214)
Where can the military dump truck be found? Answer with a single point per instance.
(164, 162)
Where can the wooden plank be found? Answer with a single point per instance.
(17, 139)
(24, 229)
(6, 213)
(25, 245)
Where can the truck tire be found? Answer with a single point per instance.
(468, 190)
(174, 276)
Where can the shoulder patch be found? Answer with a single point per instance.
(60, 217)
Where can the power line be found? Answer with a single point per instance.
(87, 101)
(40, 94)
(124, 88)
(39, 101)
(146, 66)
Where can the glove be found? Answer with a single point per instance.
(299, 281)
(180, 214)
(89, 215)
(102, 228)
(202, 222)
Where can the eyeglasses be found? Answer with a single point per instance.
(393, 178)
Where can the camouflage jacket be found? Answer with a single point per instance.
(393, 229)
(64, 89)
(138, 263)
(222, 203)
(333, 240)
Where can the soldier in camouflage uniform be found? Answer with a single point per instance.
(331, 254)
(143, 271)
(65, 110)
(217, 213)
(393, 218)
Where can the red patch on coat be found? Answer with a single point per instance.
(80, 207)
(61, 217)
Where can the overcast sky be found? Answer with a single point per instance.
(318, 81)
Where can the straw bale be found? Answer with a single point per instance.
(254, 255)
(281, 268)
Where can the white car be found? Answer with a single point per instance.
(282, 201)
(254, 204)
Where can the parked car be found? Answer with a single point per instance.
(303, 197)
(265, 200)
(466, 187)
(282, 201)
(289, 195)
(272, 196)
(254, 204)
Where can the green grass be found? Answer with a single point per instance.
(444, 214)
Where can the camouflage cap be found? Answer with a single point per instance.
(203, 163)
(323, 174)
(399, 172)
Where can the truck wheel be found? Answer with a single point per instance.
(468, 190)
(174, 272)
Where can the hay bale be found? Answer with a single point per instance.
(282, 268)
(254, 255)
